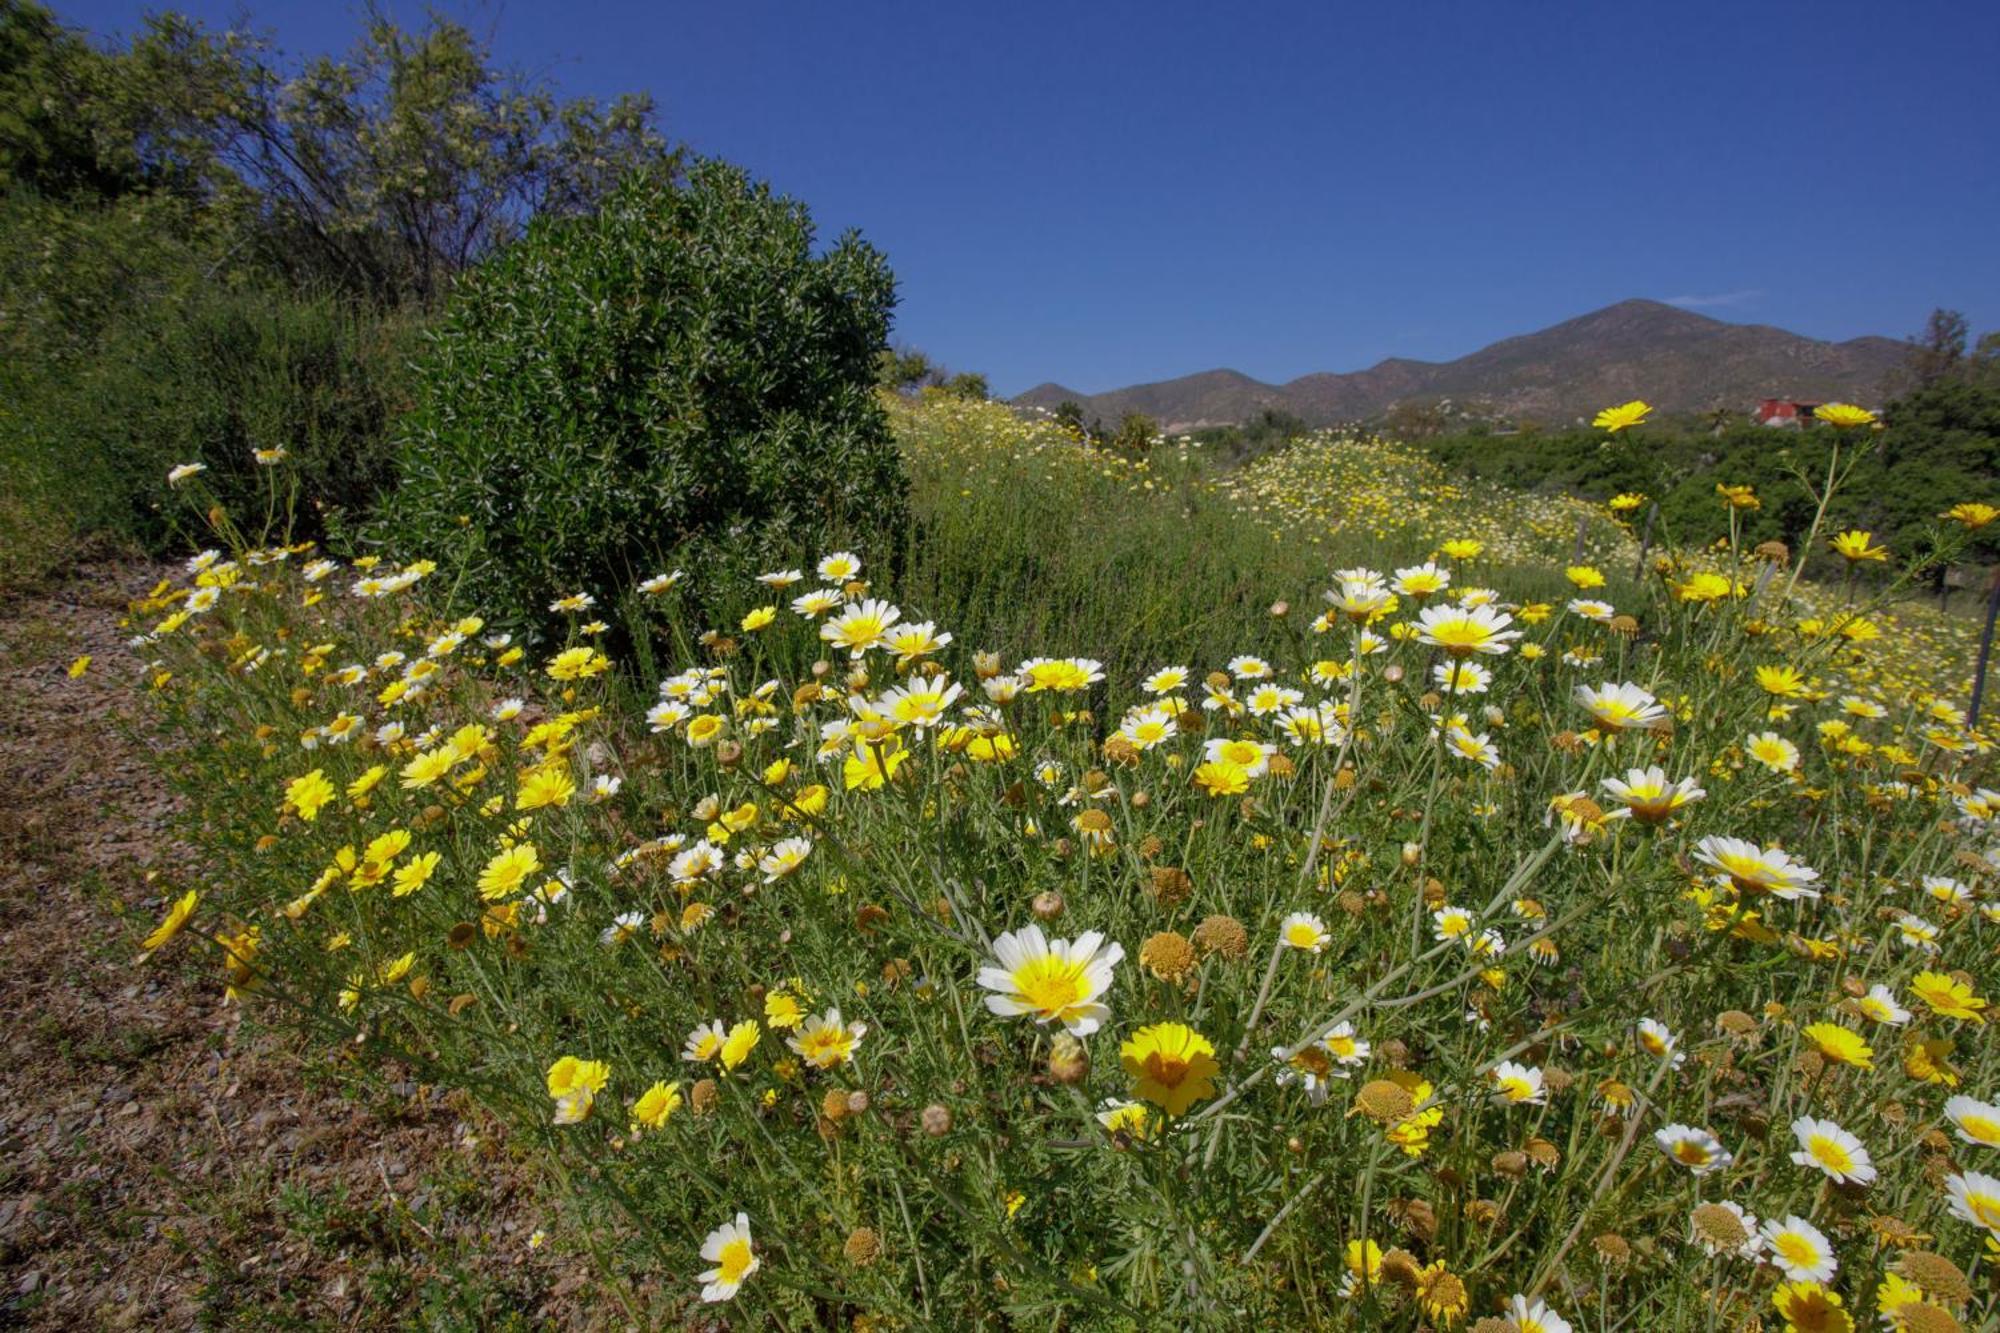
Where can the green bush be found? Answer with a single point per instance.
(126, 354)
(677, 378)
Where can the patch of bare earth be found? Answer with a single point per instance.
(164, 1161)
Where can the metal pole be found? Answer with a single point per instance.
(1985, 649)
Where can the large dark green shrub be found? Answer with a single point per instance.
(678, 377)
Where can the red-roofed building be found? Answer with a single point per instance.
(1784, 412)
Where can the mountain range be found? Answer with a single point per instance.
(1675, 359)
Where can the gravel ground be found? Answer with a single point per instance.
(164, 1161)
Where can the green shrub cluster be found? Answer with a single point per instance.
(124, 359)
(678, 374)
(1939, 445)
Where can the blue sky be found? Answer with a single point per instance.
(1106, 193)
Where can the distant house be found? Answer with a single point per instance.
(1784, 412)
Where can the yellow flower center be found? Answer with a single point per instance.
(1243, 754)
(1459, 635)
(1052, 985)
(1830, 1154)
(1796, 1251)
(735, 1260)
(860, 631)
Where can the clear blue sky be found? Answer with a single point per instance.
(1103, 193)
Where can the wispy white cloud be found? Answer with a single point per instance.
(1748, 297)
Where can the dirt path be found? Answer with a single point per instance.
(162, 1162)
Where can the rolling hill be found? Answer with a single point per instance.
(1675, 359)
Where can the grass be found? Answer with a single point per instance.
(1263, 1090)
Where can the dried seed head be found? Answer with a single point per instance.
(1613, 1248)
(936, 1120)
(862, 1247)
(1047, 906)
(1938, 1276)
(1923, 1317)
(703, 1096)
(834, 1105)
(1511, 1164)
(1384, 1102)
(1736, 1025)
(857, 1103)
(1169, 956)
(1222, 935)
(1401, 1267)
(1718, 1228)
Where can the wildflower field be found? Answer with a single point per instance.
(1146, 897)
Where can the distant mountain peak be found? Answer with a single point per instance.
(1679, 360)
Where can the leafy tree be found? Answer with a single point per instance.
(1936, 354)
(902, 368)
(380, 174)
(1135, 434)
(968, 384)
(49, 82)
(1069, 415)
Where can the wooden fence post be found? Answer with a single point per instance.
(1646, 542)
(1985, 650)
